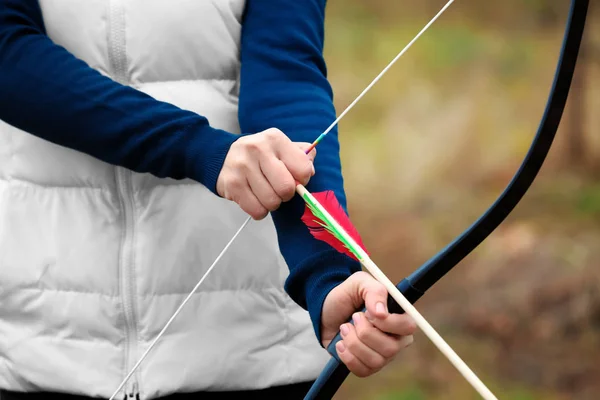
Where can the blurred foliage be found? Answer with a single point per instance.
(431, 147)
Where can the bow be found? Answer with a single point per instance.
(417, 283)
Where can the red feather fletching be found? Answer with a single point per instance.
(315, 225)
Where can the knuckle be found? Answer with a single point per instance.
(380, 289)
(360, 276)
(360, 372)
(273, 134)
(235, 197)
(237, 146)
(375, 362)
(347, 357)
(364, 334)
(234, 184)
(240, 163)
(252, 208)
(305, 173)
(351, 343)
(242, 143)
(411, 325)
(378, 364)
(272, 202)
(254, 145)
(392, 349)
(258, 213)
(355, 366)
(228, 191)
(226, 186)
(247, 209)
(286, 189)
(307, 168)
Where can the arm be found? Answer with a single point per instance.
(284, 84)
(48, 92)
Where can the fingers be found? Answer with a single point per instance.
(370, 336)
(299, 164)
(260, 171)
(359, 343)
(279, 178)
(248, 202)
(304, 146)
(375, 297)
(366, 348)
(375, 337)
(394, 324)
(356, 366)
(262, 189)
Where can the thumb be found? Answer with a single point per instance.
(375, 297)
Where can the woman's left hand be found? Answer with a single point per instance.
(376, 336)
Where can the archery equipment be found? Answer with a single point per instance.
(334, 231)
(417, 283)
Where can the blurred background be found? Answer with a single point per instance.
(431, 147)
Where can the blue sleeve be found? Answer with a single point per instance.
(284, 85)
(48, 92)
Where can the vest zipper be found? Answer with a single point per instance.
(127, 275)
(118, 61)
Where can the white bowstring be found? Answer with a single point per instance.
(334, 123)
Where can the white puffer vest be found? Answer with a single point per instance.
(94, 259)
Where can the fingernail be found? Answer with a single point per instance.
(368, 316)
(356, 318)
(380, 308)
(341, 347)
(344, 330)
(313, 169)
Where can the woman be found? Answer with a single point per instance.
(136, 137)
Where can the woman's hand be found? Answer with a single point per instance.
(260, 171)
(376, 336)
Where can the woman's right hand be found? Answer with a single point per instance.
(260, 171)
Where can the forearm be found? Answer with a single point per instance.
(48, 92)
(284, 85)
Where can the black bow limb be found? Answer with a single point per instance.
(415, 285)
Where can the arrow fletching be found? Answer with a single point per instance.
(320, 208)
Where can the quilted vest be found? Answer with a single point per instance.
(94, 258)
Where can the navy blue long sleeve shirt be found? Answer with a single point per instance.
(283, 84)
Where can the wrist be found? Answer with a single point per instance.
(319, 274)
(208, 156)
